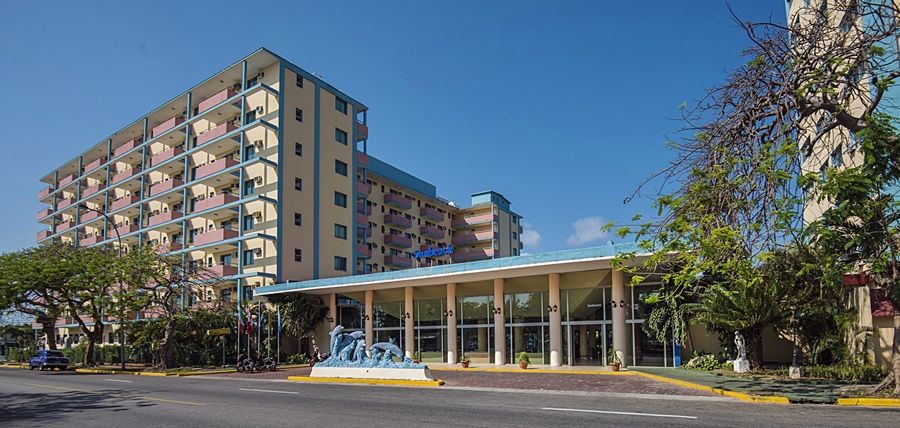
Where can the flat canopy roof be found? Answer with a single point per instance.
(517, 266)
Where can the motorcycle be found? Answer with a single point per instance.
(268, 364)
(246, 364)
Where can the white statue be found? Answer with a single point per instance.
(741, 365)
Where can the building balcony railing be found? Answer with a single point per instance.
(66, 225)
(214, 236)
(397, 201)
(215, 99)
(221, 271)
(474, 220)
(44, 213)
(362, 159)
(167, 247)
(44, 234)
(363, 209)
(363, 188)
(363, 250)
(125, 174)
(94, 165)
(397, 220)
(163, 217)
(362, 131)
(67, 180)
(166, 155)
(473, 238)
(364, 229)
(64, 203)
(397, 261)
(431, 214)
(88, 216)
(124, 148)
(215, 201)
(88, 191)
(167, 125)
(431, 232)
(362, 219)
(214, 167)
(466, 256)
(214, 133)
(158, 188)
(123, 202)
(90, 240)
(397, 241)
(123, 230)
(43, 193)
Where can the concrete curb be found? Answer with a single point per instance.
(869, 402)
(388, 382)
(200, 373)
(120, 372)
(13, 366)
(769, 399)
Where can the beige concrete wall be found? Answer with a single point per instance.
(331, 182)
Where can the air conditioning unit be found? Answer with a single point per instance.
(258, 144)
(257, 251)
(201, 197)
(260, 110)
(258, 180)
(257, 215)
(261, 75)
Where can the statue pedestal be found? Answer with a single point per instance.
(741, 366)
(372, 373)
(795, 372)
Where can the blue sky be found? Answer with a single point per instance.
(562, 106)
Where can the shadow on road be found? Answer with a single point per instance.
(37, 408)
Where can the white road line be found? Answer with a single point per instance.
(655, 415)
(267, 390)
(118, 380)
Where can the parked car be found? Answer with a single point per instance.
(48, 359)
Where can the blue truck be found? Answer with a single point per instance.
(47, 359)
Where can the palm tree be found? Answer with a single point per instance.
(302, 315)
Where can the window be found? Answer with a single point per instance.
(340, 231)
(298, 255)
(515, 235)
(249, 153)
(340, 105)
(837, 157)
(340, 136)
(299, 81)
(340, 167)
(340, 199)
(248, 257)
(249, 186)
(299, 115)
(248, 222)
(298, 219)
(340, 263)
(298, 183)
(823, 172)
(298, 149)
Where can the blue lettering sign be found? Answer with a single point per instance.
(433, 252)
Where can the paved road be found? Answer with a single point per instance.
(73, 400)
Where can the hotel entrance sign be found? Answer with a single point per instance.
(433, 252)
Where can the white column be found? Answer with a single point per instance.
(499, 324)
(451, 323)
(409, 324)
(620, 339)
(370, 321)
(555, 322)
(332, 311)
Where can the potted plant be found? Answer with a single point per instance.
(612, 360)
(417, 357)
(523, 360)
(464, 361)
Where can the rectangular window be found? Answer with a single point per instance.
(299, 81)
(298, 255)
(515, 235)
(298, 149)
(299, 115)
(340, 136)
(340, 199)
(340, 263)
(298, 219)
(340, 105)
(248, 222)
(249, 153)
(249, 186)
(298, 183)
(837, 157)
(248, 257)
(340, 167)
(340, 231)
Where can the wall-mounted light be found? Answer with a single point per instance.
(553, 308)
(367, 317)
(448, 313)
(330, 319)
(498, 310)
(612, 304)
(407, 315)
(621, 303)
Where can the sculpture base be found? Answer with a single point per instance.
(741, 366)
(795, 372)
(371, 373)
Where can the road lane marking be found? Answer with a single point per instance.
(122, 395)
(609, 412)
(267, 390)
(118, 380)
(169, 401)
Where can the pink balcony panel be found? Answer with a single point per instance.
(475, 237)
(214, 167)
(123, 202)
(363, 188)
(362, 159)
(214, 236)
(88, 191)
(89, 215)
(222, 270)
(123, 230)
(44, 234)
(215, 133)
(64, 203)
(93, 240)
(362, 219)
(66, 225)
(44, 192)
(362, 250)
(362, 131)
(397, 220)
(397, 241)
(44, 213)
(124, 148)
(67, 180)
(465, 256)
(397, 201)
(164, 186)
(215, 201)
(94, 165)
(215, 99)
(431, 213)
(397, 261)
(166, 155)
(363, 209)
(167, 125)
(163, 217)
(168, 247)
(432, 232)
(125, 174)
(473, 220)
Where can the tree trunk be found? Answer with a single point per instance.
(94, 336)
(166, 349)
(48, 326)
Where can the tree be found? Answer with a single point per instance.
(302, 314)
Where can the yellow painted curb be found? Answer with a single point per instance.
(419, 383)
(528, 371)
(770, 399)
(199, 373)
(157, 374)
(874, 402)
(12, 366)
(120, 372)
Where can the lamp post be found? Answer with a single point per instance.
(122, 313)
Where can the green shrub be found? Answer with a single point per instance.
(845, 371)
(297, 359)
(706, 362)
(523, 358)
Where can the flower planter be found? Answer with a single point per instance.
(464, 364)
(523, 365)
(613, 367)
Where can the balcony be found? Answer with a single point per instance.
(364, 229)
(158, 188)
(431, 232)
(88, 216)
(123, 230)
(123, 202)
(64, 203)
(215, 201)
(94, 165)
(43, 193)
(362, 131)
(362, 250)
(399, 241)
(90, 240)
(124, 148)
(431, 214)
(44, 213)
(473, 220)
(397, 261)
(466, 256)
(363, 188)
(362, 159)
(167, 125)
(397, 201)
(166, 155)
(214, 133)
(88, 191)
(214, 167)
(363, 209)
(397, 220)
(125, 174)
(66, 225)
(215, 99)
(214, 236)
(167, 247)
(44, 234)
(221, 271)
(67, 180)
(163, 217)
(473, 238)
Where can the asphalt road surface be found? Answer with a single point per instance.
(74, 400)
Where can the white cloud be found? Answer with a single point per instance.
(587, 230)
(530, 237)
